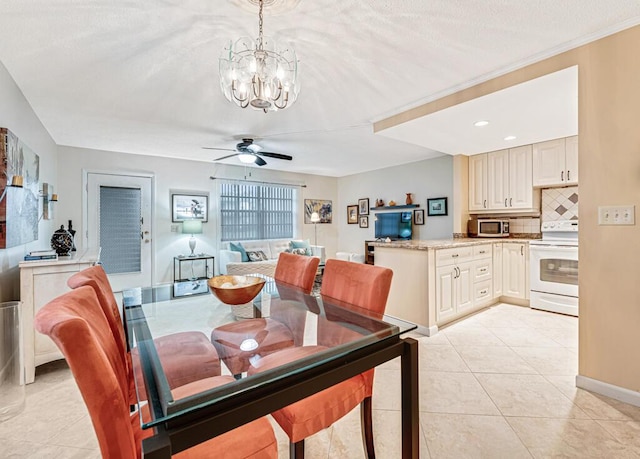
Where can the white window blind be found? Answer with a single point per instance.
(255, 211)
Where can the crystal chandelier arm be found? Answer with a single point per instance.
(285, 100)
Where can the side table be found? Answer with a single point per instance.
(198, 267)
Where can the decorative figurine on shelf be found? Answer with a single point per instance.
(73, 235)
(392, 203)
(62, 241)
(409, 200)
(379, 203)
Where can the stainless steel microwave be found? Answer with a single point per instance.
(488, 228)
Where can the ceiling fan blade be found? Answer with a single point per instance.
(221, 149)
(269, 154)
(260, 161)
(225, 157)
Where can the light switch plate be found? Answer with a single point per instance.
(616, 215)
(174, 228)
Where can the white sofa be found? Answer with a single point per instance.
(230, 262)
(350, 256)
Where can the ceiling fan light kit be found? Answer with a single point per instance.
(260, 74)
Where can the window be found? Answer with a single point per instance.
(252, 211)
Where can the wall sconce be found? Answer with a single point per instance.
(47, 196)
(16, 182)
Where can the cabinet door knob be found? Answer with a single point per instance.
(485, 204)
(505, 202)
(521, 250)
(562, 176)
(455, 255)
(568, 175)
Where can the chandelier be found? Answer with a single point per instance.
(259, 73)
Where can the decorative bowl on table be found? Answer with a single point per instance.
(236, 290)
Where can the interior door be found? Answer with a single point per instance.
(119, 222)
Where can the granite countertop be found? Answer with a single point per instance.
(445, 243)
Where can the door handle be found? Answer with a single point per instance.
(521, 250)
(510, 202)
(454, 255)
(562, 176)
(146, 241)
(485, 204)
(458, 270)
(505, 202)
(568, 175)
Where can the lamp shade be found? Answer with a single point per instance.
(192, 226)
(315, 218)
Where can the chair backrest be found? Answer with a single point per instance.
(297, 270)
(364, 286)
(97, 279)
(76, 323)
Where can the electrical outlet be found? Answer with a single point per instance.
(174, 228)
(616, 215)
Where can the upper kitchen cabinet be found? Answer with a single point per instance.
(502, 181)
(478, 182)
(555, 163)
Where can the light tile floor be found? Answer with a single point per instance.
(499, 384)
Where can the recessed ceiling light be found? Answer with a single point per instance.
(480, 123)
(510, 137)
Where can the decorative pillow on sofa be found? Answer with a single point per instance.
(300, 251)
(301, 245)
(238, 248)
(258, 255)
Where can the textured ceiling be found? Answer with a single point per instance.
(141, 77)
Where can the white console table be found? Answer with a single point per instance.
(40, 282)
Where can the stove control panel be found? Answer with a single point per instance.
(567, 226)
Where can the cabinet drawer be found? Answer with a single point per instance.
(482, 292)
(456, 255)
(482, 251)
(482, 270)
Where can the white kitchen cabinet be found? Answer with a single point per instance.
(454, 287)
(41, 282)
(478, 182)
(555, 162)
(508, 181)
(497, 269)
(515, 270)
(520, 178)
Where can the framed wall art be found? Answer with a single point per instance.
(436, 207)
(418, 217)
(364, 221)
(189, 207)
(352, 214)
(363, 206)
(322, 206)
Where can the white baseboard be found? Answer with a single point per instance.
(427, 331)
(609, 390)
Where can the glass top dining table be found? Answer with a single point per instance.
(351, 340)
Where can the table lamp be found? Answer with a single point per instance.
(192, 227)
(315, 218)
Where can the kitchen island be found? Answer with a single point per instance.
(438, 281)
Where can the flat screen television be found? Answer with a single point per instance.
(393, 225)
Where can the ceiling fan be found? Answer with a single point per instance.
(249, 152)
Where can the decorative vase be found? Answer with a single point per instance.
(379, 203)
(392, 203)
(73, 235)
(62, 241)
(409, 200)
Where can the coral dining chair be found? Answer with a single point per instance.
(185, 356)
(76, 323)
(266, 335)
(347, 284)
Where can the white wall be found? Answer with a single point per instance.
(17, 115)
(432, 178)
(177, 174)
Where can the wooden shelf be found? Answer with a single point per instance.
(404, 206)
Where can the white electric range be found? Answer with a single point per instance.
(554, 268)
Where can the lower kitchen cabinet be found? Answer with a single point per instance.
(454, 287)
(497, 269)
(515, 270)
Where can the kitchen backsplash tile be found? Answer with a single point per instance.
(560, 204)
(524, 225)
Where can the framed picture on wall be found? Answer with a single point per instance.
(352, 214)
(418, 217)
(364, 221)
(363, 206)
(323, 207)
(437, 207)
(189, 207)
